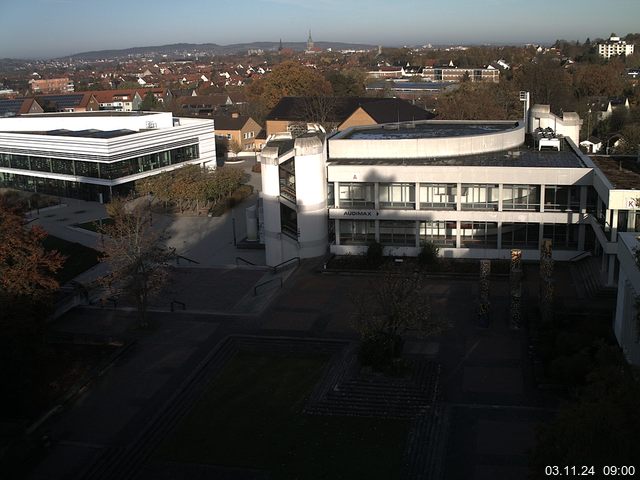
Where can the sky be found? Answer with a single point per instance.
(56, 28)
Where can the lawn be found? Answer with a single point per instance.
(251, 417)
(79, 257)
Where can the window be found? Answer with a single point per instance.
(562, 236)
(440, 233)
(356, 195)
(289, 221)
(479, 235)
(397, 195)
(520, 235)
(561, 198)
(357, 232)
(438, 196)
(521, 197)
(479, 197)
(398, 232)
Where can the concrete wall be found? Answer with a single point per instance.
(341, 146)
(625, 324)
(44, 122)
(540, 116)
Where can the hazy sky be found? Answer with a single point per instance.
(46, 28)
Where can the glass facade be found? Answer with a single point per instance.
(62, 188)
(520, 235)
(397, 195)
(356, 195)
(357, 232)
(289, 221)
(560, 198)
(439, 233)
(102, 170)
(479, 235)
(521, 197)
(479, 197)
(398, 233)
(438, 196)
(287, 175)
(563, 237)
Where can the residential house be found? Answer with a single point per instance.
(51, 85)
(291, 113)
(239, 129)
(19, 106)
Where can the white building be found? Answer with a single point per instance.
(91, 155)
(614, 47)
(474, 189)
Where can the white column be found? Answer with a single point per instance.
(499, 200)
(459, 198)
(458, 241)
(541, 204)
(337, 230)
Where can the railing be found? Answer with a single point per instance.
(178, 257)
(280, 265)
(255, 289)
(288, 193)
(580, 256)
(247, 262)
(177, 302)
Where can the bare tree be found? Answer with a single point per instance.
(321, 110)
(391, 306)
(135, 253)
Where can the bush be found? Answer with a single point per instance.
(428, 255)
(374, 254)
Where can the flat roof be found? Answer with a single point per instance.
(622, 172)
(89, 133)
(428, 130)
(99, 113)
(522, 157)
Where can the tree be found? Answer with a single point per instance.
(288, 79)
(26, 269)
(600, 427)
(149, 103)
(347, 83)
(548, 82)
(388, 308)
(135, 253)
(27, 284)
(480, 101)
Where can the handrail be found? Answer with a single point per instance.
(255, 289)
(182, 304)
(275, 269)
(178, 257)
(244, 260)
(580, 256)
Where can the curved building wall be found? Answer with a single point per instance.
(341, 146)
(311, 196)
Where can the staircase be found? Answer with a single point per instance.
(590, 281)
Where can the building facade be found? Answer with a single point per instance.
(614, 47)
(475, 190)
(93, 155)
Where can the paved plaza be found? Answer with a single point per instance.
(488, 408)
(481, 426)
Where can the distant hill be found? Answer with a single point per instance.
(180, 49)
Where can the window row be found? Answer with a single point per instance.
(108, 171)
(444, 196)
(444, 233)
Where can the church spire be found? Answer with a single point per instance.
(310, 42)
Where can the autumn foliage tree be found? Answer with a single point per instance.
(288, 79)
(191, 187)
(27, 283)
